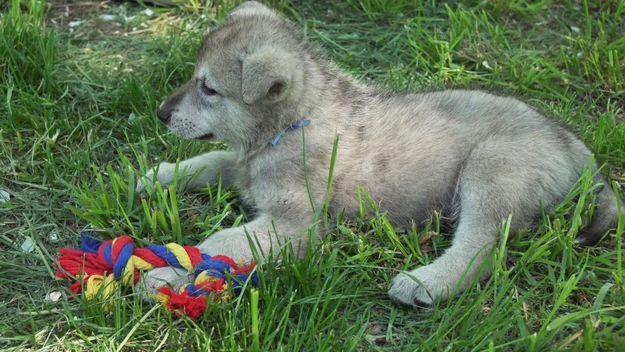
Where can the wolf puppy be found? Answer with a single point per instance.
(469, 155)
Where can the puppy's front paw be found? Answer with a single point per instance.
(154, 279)
(164, 175)
(418, 288)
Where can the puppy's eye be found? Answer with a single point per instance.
(209, 91)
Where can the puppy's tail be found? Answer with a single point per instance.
(606, 215)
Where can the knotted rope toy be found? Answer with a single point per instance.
(101, 266)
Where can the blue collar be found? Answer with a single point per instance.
(297, 124)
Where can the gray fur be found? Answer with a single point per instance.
(470, 154)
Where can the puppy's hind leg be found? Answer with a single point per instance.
(489, 191)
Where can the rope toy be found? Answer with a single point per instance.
(98, 267)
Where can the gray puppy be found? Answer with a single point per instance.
(468, 155)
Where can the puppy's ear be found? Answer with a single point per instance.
(251, 9)
(269, 75)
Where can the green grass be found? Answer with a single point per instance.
(70, 155)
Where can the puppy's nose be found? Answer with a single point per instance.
(164, 112)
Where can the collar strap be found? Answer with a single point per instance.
(297, 124)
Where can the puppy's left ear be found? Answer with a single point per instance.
(268, 75)
(251, 9)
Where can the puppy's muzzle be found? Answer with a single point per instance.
(164, 112)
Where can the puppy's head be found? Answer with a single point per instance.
(247, 74)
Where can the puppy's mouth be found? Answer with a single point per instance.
(206, 137)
